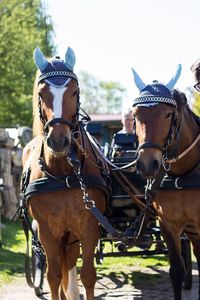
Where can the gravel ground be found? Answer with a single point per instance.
(112, 288)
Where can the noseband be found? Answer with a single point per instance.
(53, 121)
(149, 145)
(71, 123)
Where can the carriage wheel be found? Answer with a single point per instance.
(38, 268)
(186, 254)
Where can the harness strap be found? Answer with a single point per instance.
(38, 249)
(149, 145)
(48, 184)
(178, 183)
(58, 120)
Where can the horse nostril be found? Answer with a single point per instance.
(58, 144)
(154, 166)
(66, 142)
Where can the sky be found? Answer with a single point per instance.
(109, 37)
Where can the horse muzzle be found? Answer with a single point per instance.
(148, 162)
(58, 139)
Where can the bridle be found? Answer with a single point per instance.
(71, 123)
(171, 137)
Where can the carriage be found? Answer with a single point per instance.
(82, 194)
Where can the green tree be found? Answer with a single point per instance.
(23, 26)
(196, 104)
(100, 97)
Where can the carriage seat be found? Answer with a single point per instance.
(124, 145)
(95, 129)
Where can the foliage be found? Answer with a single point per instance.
(100, 96)
(23, 26)
(196, 103)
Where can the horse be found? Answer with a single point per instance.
(168, 157)
(65, 178)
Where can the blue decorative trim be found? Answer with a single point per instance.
(151, 99)
(57, 74)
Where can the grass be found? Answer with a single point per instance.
(132, 270)
(12, 252)
(125, 269)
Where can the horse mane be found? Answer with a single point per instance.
(38, 126)
(181, 101)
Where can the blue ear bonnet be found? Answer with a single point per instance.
(156, 92)
(55, 71)
(156, 89)
(58, 67)
(153, 94)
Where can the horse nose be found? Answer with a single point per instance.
(59, 144)
(148, 170)
(154, 166)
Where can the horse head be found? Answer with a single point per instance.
(57, 99)
(155, 118)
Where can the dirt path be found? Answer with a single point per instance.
(112, 288)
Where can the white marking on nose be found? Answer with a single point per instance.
(58, 93)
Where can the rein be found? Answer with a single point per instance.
(170, 161)
(114, 167)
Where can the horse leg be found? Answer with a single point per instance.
(89, 240)
(54, 271)
(69, 274)
(195, 239)
(176, 271)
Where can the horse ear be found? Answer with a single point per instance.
(170, 85)
(138, 81)
(40, 61)
(70, 59)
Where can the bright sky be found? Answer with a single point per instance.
(111, 36)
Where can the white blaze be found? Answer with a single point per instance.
(58, 93)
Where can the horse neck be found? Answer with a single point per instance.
(188, 132)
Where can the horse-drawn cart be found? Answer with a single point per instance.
(66, 184)
(130, 213)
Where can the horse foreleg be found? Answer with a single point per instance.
(195, 239)
(176, 271)
(54, 272)
(69, 277)
(89, 241)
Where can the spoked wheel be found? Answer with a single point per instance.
(186, 254)
(38, 266)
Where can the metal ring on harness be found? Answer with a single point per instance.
(67, 182)
(176, 184)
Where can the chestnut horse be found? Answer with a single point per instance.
(65, 179)
(169, 143)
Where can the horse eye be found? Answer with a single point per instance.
(40, 97)
(75, 93)
(168, 115)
